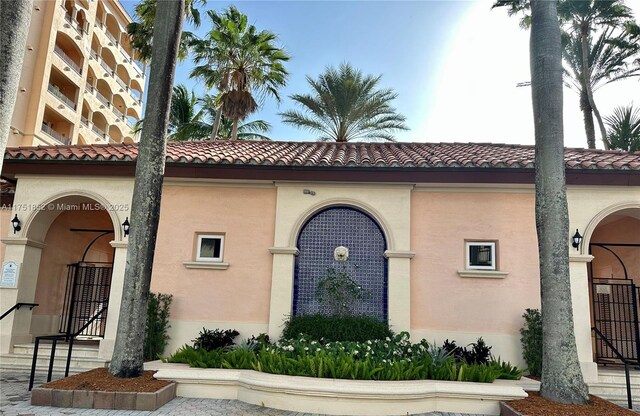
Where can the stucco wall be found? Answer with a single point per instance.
(446, 305)
(233, 297)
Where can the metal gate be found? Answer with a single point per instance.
(615, 308)
(86, 297)
(615, 315)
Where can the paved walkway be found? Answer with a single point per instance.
(15, 401)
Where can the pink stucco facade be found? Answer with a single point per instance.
(440, 224)
(245, 216)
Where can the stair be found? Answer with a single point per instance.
(83, 358)
(612, 385)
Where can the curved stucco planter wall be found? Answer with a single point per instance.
(338, 397)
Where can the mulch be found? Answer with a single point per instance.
(100, 379)
(535, 405)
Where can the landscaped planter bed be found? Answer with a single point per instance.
(535, 405)
(97, 389)
(339, 397)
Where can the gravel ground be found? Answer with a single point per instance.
(15, 401)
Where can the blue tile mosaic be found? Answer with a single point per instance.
(341, 226)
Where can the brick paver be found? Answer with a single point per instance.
(15, 401)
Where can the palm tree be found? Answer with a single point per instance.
(188, 122)
(141, 31)
(624, 129)
(346, 105)
(582, 17)
(561, 375)
(15, 18)
(242, 63)
(610, 59)
(128, 353)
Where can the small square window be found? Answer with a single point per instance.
(210, 248)
(481, 255)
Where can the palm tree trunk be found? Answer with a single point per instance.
(234, 132)
(127, 358)
(15, 18)
(587, 114)
(586, 71)
(216, 125)
(561, 375)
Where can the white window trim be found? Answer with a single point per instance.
(210, 259)
(468, 245)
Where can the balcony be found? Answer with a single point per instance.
(75, 25)
(121, 83)
(68, 60)
(102, 98)
(97, 131)
(53, 89)
(84, 121)
(106, 67)
(59, 137)
(88, 88)
(110, 37)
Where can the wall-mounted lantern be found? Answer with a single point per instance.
(16, 224)
(576, 240)
(126, 226)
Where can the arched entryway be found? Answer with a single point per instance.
(614, 274)
(74, 272)
(366, 264)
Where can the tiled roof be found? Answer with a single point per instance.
(319, 154)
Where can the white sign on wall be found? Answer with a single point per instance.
(9, 278)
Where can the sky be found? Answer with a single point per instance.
(454, 64)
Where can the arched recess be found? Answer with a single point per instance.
(342, 202)
(100, 123)
(115, 134)
(120, 105)
(81, 18)
(128, 140)
(136, 88)
(105, 91)
(113, 28)
(133, 114)
(109, 59)
(613, 239)
(123, 74)
(363, 236)
(63, 226)
(69, 48)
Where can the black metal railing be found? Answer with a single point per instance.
(621, 358)
(18, 306)
(69, 338)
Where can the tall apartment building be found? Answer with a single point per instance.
(80, 82)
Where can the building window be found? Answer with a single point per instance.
(210, 248)
(481, 255)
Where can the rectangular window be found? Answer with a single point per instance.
(481, 255)
(210, 248)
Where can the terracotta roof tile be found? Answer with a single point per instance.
(314, 154)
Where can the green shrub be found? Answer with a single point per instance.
(156, 337)
(507, 371)
(209, 340)
(338, 291)
(480, 352)
(384, 359)
(336, 328)
(531, 338)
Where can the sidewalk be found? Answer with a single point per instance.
(15, 401)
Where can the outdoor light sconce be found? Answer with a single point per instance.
(126, 226)
(16, 224)
(308, 192)
(577, 239)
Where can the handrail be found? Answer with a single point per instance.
(621, 358)
(54, 341)
(17, 306)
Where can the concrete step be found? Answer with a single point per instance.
(617, 376)
(44, 350)
(24, 361)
